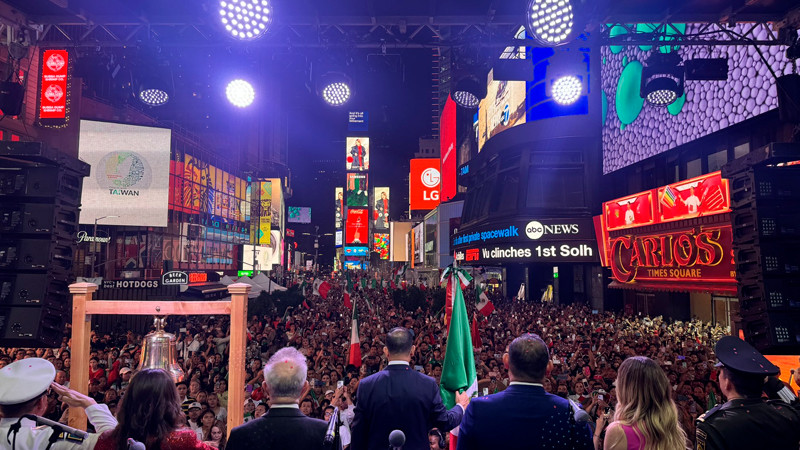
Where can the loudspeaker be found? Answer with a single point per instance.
(789, 97)
(31, 326)
(11, 96)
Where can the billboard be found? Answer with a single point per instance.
(357, 229)
(129, 184)
(55, 69)
(357, 156)
(380, 214)
(357, 194)
(424, 182)
(447, 149)
(339, 238)
(263, 210)
(266, 256)
(633, 130)
(299, 214)
(197, 187)
(502, 108)
(358, 121)
(339, 209)
(380, 243)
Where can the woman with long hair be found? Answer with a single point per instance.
(218, 437)
(646, 417)
(150, 413)
(205, 423)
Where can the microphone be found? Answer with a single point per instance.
(396, 440)
(330, 435)
(56, 426)
(579, 414)
(135, 445)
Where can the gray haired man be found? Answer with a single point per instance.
(283, 426)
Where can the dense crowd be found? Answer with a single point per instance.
(586, 350)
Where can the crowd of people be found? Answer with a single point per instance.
(587, 349)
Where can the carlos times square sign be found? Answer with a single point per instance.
(674, 234)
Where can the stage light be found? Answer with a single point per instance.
(469, 91)
(566, 90)
(556, 22)
(245, 19)
(336, 93)
(153, 96)
(662, 79)
(240, 93)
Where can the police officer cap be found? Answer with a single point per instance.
(740, 356)
(25, 380)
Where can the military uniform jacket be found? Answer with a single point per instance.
(30, 437)
(749, 424)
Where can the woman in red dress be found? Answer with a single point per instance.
(150, 413)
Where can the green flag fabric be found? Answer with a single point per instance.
(458, 370)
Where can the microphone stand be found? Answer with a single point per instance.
(330, 435)
(57, 427)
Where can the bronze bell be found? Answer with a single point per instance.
(158, 351)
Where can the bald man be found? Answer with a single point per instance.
(283, 426)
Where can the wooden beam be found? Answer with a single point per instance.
(158, 308)
(236, 357)
(81, 333)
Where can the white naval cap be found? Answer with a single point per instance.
(25, 380)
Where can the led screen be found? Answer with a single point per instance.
(129, 181)
(380, 243)
(357, 230)
(299, 214)
(502, 108)
(357, 153)
(380, 214)
(357, 194)
(634, 130)
(339, 209)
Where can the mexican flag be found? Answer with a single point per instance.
(458, 370)
(346, 297)
(485, 306)
(463, 280)
(355, 344)
(321, 288)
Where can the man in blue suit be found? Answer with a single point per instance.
(523, 416)
(400, 398)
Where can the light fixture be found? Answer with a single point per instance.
(555, 22)
(240, 93)
(153, 96)
(566, 90)
(469, 91)
(335, 88)
(662, 79)
(245, 19)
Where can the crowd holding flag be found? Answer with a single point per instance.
(354, 356)
(485, 306)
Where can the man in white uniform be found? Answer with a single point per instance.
(24, 386)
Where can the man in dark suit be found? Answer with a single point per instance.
(523, 416)
(400, 398)
(283, 426)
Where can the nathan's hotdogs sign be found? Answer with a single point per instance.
(673, 234)
(700, 254)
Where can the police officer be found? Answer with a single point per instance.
(24, 386)
(746, 420)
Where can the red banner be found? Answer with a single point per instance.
(425, 181)
(633, 211)
(447, 149)
(701, 196)
(53, 102)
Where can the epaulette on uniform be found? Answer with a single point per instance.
(709, 413)
(69, 437)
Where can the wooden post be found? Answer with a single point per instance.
(79, 346)
(236, 358)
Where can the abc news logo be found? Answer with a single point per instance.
(535, 229)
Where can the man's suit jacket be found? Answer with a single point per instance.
(522, 417)
(280, 428)
(399, 398)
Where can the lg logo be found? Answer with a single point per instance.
(534, 229)
(430, 178)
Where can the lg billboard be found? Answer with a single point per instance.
(424, 182)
